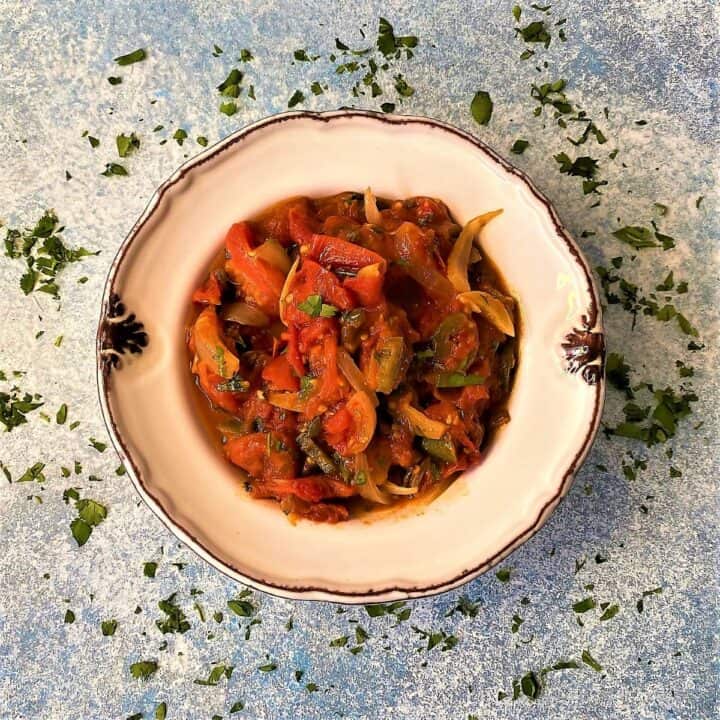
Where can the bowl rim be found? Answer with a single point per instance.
(593, 321)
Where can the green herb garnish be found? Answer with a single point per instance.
(610, 612)
(314, 306)
(228, 108)
(14, 407)
(175, 620)
(143, 669)
(390, 45)
(296, 98)
(588, 659)
(114, 169)
(44, 253)
(130, 58)
(216, 674)
(481, 107)
(126, 144)
(458, 379)
(583, 166)
(647, 593)
(583, 606)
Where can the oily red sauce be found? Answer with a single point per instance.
(340, 363)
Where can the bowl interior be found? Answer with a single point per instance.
(489, 509)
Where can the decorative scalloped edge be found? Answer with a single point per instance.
(120, 333)
(584, 350)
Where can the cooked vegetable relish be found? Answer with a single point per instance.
(354, 351)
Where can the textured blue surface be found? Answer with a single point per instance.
(649, 60)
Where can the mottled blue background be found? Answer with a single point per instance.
(649, 60)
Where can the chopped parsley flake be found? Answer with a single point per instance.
(130, 58)
(216, 674)
(143, 669)
(302, 56)
(314, 306)
(242, 608)
(588, 659)
(44, 253)
(114, 169)
(583, 166)
(127, 144)
(33, 474)
(296, 98)
(99, 446)
(15, 406)
(583, 606)
(228, 108)
(481, 107)
(535, 32)
(91, 511)
(434, 639)
(610, 612)
(175, 620)
(108, 627)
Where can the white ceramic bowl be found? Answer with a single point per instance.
(486, 513)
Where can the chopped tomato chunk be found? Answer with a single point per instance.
(344, 363)
(260, 282)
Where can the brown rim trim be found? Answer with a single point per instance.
(592, 321)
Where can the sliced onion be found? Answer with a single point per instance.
(372, 214)
(210, 347)
(493, 309)
(459, 258)
(421, 423)
(273, 253)
(365, 420)
(372, 271)
(369, 489)
(354, 375)
(394, 489)
(285, 289)
(287, 401)
(233, 427)
(241, 312)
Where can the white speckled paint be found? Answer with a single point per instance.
(650, 60)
